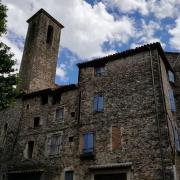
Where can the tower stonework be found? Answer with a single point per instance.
(38, 66)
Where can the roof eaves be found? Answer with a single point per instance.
(47, 14)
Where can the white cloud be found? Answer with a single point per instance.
(147, 34)
(129, 6)
(61, 72)
(86, 27)
(175, 35)
(164, 8)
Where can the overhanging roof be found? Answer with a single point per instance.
(115, 165)
(47, 14)
(124, 54)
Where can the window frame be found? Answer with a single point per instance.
(171, 76)
(49, 144)
(90, 149)
(60, 119)
(172, 100)
(98, 103)
(99, 70)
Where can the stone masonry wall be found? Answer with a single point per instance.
(129, 103)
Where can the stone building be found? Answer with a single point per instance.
(120, 122)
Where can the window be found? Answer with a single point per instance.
(88, 146)
(49, 35)
(30, 149)
(171, 76)
(71, 139)
(60, 114)
(44, 99)
(69, 175)
(72, 114)
(98, 103)
(32, 32)
(56, 98)
(54, 144)
(172, 100)
(99, 71)
(36, 122)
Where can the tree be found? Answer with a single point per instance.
(8, 78)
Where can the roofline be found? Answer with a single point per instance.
(51, 91)
(130, 52)
(175, 53)
(47, 14)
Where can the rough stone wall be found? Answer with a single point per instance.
(172, 57)
(129, 104)
(38, 67)
(52, 166)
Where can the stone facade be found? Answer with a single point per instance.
(116, 123)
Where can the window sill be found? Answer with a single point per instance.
(89, 155)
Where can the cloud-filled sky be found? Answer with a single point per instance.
(95, 28)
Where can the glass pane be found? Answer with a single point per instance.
(69, 175)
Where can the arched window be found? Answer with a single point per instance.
(49, 35)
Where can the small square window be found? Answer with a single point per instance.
(72, 114)
(99, 71)
(71, 139)
(60, 114)
(36, 122)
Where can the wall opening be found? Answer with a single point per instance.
(36, 122)
(49, 37)
(30, 149)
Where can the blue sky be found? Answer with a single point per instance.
(96, 28)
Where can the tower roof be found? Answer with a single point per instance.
(47, 14)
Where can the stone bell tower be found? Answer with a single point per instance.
(38, 66)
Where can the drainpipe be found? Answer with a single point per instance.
(157, 118)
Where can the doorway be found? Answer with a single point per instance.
(24, 176)
(121, 176)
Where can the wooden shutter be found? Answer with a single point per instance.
(116, 138)
(171, 76)
(172, 100)
(100, 103)
(95, 104)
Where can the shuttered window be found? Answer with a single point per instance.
(54, 144)
(98, 103)
(88, 142)
(176, 133)
(116, 138)
(69, 175)
(60, 114)
(172, 100)
(171, 76)
(99, 71)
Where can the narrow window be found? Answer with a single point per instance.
(36, 122)
(54, 144)
(99, 71)
(30, 149)
(60, 114)
(44, 99)
(98, 103)
(69, 175)
(27, 106)
(88, 143)
(32, 32)
(171, 76)
(172, 100)
(49, 35)
(5, 127)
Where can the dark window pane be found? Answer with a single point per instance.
(69, 175)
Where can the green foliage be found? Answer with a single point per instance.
(8, 78)
(3, 16)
